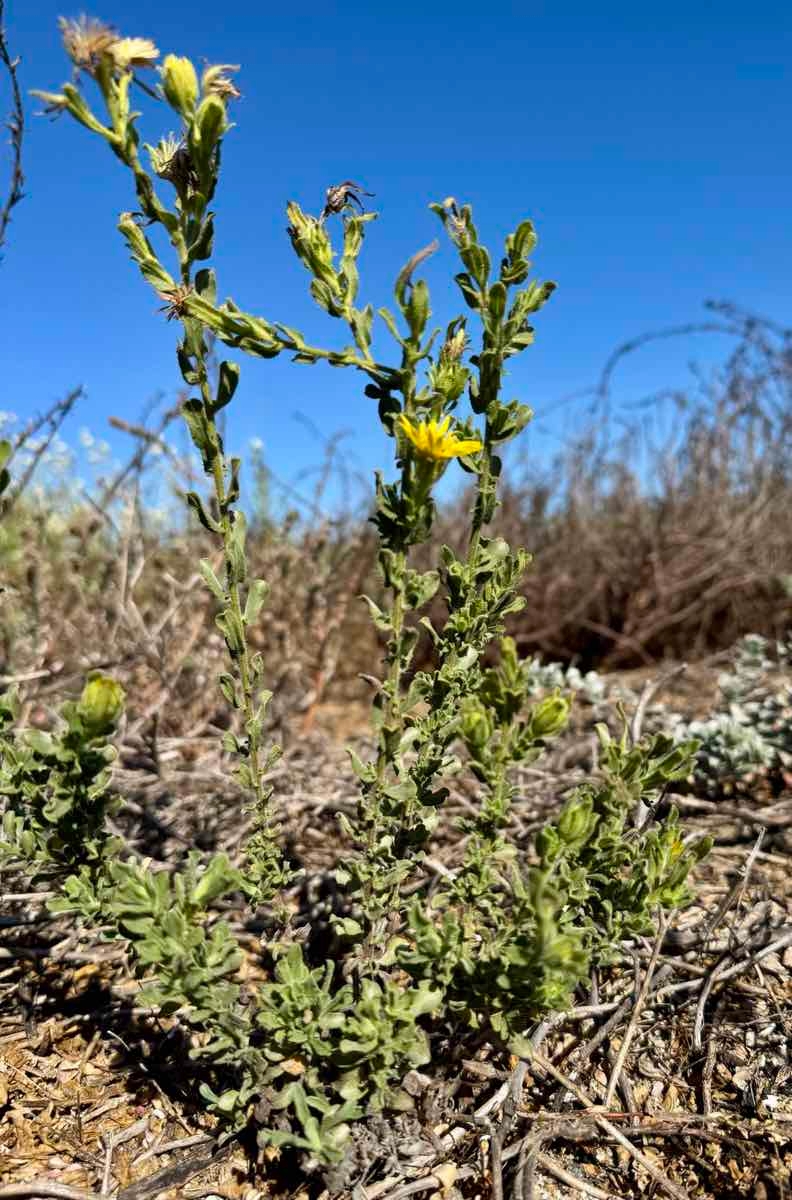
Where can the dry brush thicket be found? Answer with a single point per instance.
(642, 553)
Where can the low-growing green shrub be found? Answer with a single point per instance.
(511, 934)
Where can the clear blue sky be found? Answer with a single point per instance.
(649, 143)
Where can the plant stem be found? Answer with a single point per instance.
(232, 588)
(393, 713)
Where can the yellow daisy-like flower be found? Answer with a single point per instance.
(433, 440)
(134, 52)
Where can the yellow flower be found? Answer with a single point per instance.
(433, 440)
(134, 52)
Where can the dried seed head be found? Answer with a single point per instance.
(454, 346)
(216, 81)
(458, 227)
(175, 305)
(455, 222)
(86, 40)
(170, 159)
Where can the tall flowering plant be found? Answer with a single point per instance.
(506, 936)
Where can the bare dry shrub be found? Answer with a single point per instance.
(97, 583)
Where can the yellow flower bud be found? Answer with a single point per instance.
(549, 716)
(100, 704)
(180, 84)
(475, 724)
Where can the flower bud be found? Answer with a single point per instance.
(475, 724)
(180, 84)
(312, 243)
(455, 345)
(576, 822)
(210, 122)
(100, 704)
(548, 844)
(550, 716)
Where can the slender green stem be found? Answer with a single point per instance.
(393, 714)
(234, 597)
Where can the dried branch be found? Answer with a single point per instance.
(51, 422)
(15, 124)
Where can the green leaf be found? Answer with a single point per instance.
(257, 594)
(235, 549)
(42, 743)
(380, 619)
(496, 301)
(206, 285)
(227, 382)
(211, 580)
(217, 879)
(141, 250)
(201, 248)
(470, 293)
(228, 688)
(231, 628)
(196, 504)
(189, 374)
(232, 495)
(390, 321)
(202, 431)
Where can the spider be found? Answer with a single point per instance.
(342, 196)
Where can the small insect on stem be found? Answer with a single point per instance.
(342, 196)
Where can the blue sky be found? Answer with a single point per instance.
(648, 144)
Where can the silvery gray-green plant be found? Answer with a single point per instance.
(316, 1048)
(750, 732)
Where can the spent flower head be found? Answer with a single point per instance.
(175, 301)
(216, 80)
(85, 40)
(435, 441)
(88, 42)
(170, 159)
(455, 345)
